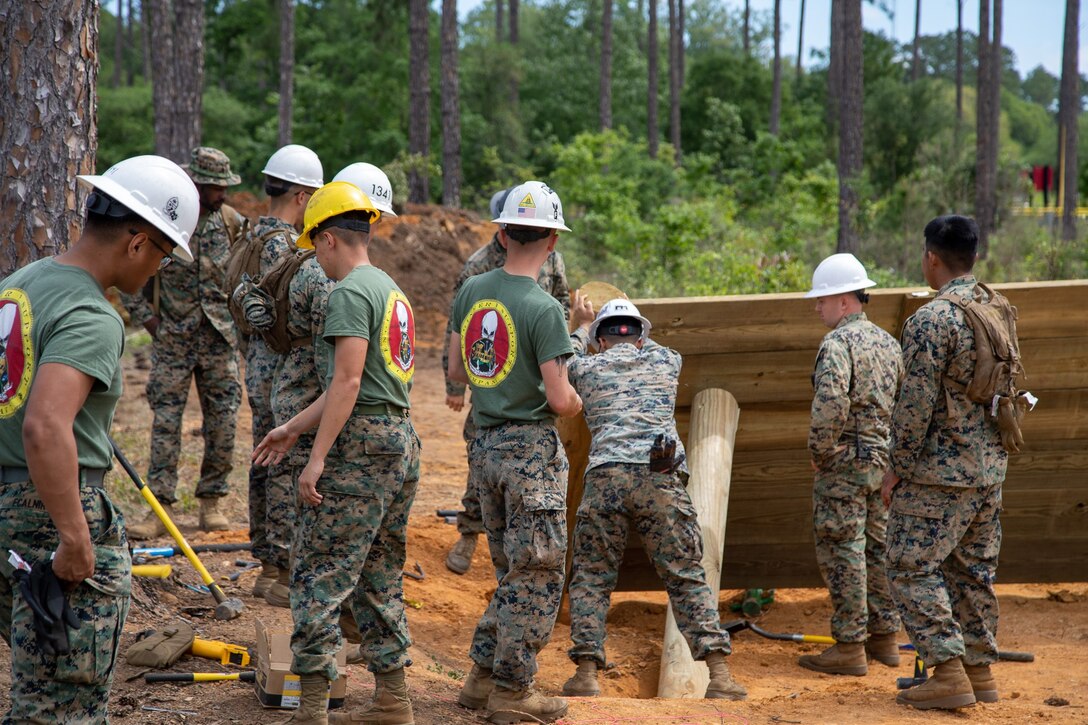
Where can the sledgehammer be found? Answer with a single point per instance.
(224, 608)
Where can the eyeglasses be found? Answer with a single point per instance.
(167, 260)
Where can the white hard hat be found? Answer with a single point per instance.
(157, 190)
(296, 164)
(532, 204)
(497, 199)
(618, 308)
(837, 274)
(373, 182)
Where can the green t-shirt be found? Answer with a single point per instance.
(368, 304)
(509, 327)
(57, 313)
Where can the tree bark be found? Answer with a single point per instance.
(916, 60)
(47, 126)
(287, 69)
(676, 48)
(419, 99)
(747, 29)
(800, 39)
(776, 84)
(983, 139)
(834, 65)
(129, 80)
(651, 86)
(515, 91)
(1068, 111)
(850, 123)
(119, 46)
(959, 71)
(145, 37)
(499, 20)
(605, 86)
(177, 71)
(451, 108)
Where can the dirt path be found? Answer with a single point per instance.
(442, 626)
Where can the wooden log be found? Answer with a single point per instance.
(710, 458)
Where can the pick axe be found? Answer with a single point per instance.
(224, 608)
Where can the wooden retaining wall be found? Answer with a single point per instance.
(761, 348)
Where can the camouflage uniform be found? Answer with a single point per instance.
(351, 547)
(518, 463)
(521, 480)
(67, 320)
(261, 363)
(196, 338)
(298, 380)
(858, 369)
(629, 397)
(553, 280)
(944, 534)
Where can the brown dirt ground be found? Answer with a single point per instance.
(442, 626)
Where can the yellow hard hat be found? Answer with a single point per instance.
(333, 199)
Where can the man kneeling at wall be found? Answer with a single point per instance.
(636, 475)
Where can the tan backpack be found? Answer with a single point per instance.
(997, 362)
(266, 301)
(245, 260)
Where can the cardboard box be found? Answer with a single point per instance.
(276, 686)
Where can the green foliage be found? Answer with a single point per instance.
(747, 212)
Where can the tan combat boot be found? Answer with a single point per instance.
(211, 518)
(313, 708)
(477, 688)
(355, 655)
(982, 682)
(584, 681)
(151, 527)
(279, 593)
(883, 648)
(947, 688)
(460, 557)
(268, 574)
(348, 628)
(390, 705)
(528, 705)
(841, 658)
(722, 685)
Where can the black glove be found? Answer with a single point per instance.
(663, 454)
(42, 590)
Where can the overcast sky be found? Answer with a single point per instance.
(1033, 29)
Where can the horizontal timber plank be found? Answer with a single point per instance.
(786, 375)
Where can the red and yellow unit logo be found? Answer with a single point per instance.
(399, 336)
(16, 351)
(489, 344)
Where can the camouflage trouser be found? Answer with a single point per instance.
(521, 482)
(470, 520)
(74, 687)
(281, 508)
(616, 496)
(260, 368)
(943, 544)
(849, 521)
(174, 362)
(351, 546)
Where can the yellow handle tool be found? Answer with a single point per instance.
(159, 571)
(224, 652)
(250, 676)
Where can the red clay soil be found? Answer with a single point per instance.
(428, 253)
